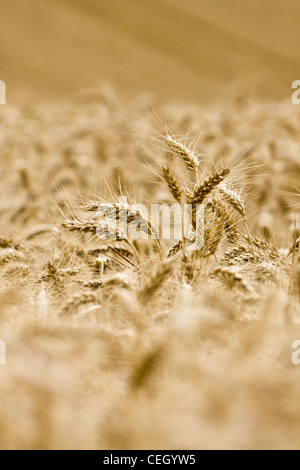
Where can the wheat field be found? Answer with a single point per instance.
(118, 345)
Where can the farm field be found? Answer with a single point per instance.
(115, 343)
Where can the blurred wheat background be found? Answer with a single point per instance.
(191, 50)
(111, 346)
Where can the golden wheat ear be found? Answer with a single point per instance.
(295, 246)
(239, 255)
(232, 279)
(95, 227)
(234, 199)
(156, 280)
(174, 249)
(203, 190)
(186, 155)
(172, 183)
(231, 230)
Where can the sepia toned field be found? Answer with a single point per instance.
(143, 344)
(129, 352)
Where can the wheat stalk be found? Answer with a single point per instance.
(186, 155)
(231, 231)
(174, 249)
(202, 191)
(188, 267)
(295, 246)
(78, 301)
(146, 366)
(103, 230)
(214, 223)
(173, 184)
(239, 254)
(232, 279)
(264, 247)
(9, 243)
(155, 281)
(127, 214)
(236, 202)
(233, 199)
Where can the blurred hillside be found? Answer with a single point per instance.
(190, 50)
